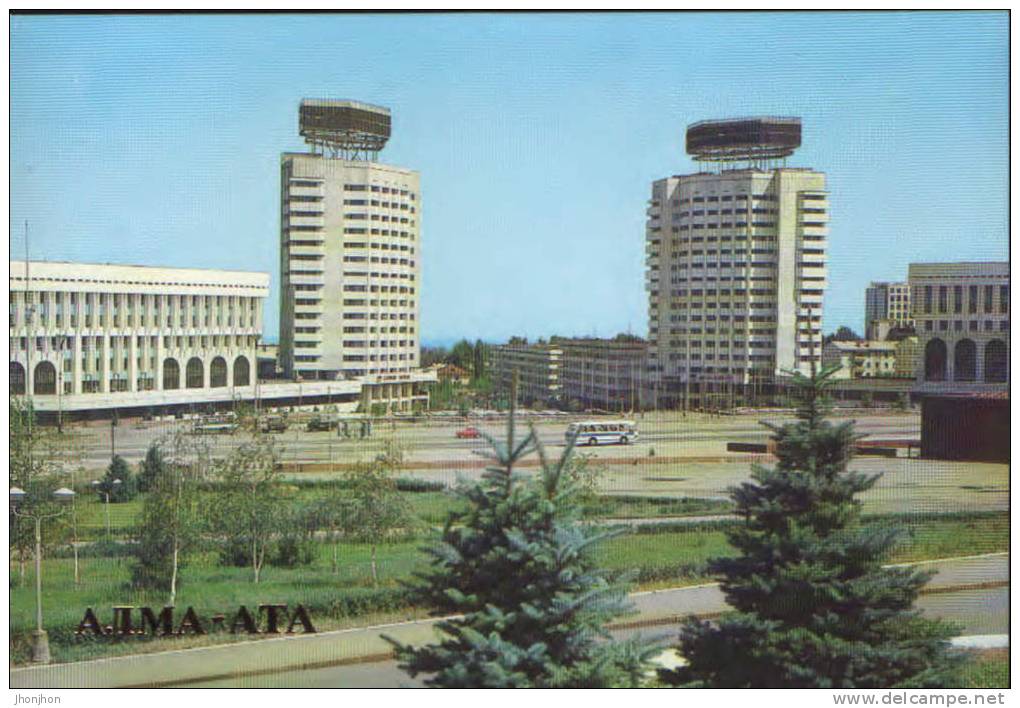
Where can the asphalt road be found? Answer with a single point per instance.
(978, 612)
(92, 445)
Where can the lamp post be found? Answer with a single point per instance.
(105, 490)
(40, 641)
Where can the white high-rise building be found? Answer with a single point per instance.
(736, 263)
(350, 258)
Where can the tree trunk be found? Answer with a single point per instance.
(173, 574)
(375, 570)
(336, 559)
(255, 559)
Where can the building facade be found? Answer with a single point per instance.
(603, 373)
(961, 315)
(87, 333)
(350, 259)
(736, 274)
(888, 304)
(539, 368)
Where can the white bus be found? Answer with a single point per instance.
(603, 432)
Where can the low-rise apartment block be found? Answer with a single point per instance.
(604, 373)
(538, 367)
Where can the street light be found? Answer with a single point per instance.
(105, 490)
(40, 641)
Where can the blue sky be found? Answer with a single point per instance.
(156, 140)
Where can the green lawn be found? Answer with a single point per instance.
(986, 669)
(431, 507)
(670, 555)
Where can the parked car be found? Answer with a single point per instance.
(324, 421)
(273, 424)
(470, 432)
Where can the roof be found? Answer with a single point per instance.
(869, 346)
(974, 395)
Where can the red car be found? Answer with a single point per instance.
(471, 432)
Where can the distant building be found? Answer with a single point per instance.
(538, 366)
(268, 362)
(452, 372)
(604, 373)
(88, 336)
(736, 262)
(961, 311)
(961, 314)
(908, 353)
(887, 303)
(861, 360)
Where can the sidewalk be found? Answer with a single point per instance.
(364, 644)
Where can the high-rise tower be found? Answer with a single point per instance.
(350, 260)
(736, 263)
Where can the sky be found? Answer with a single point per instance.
(155, 140)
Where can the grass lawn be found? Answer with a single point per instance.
(431, 507)
(986, 669)
(670, 555)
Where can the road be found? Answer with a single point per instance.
(981, 611)
(91, 444)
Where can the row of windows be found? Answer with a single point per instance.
(379, 246)
(376, 203)
(362, 343)
(976, 295)
(957, 325)
(361, 216)
(378, 357)
(377, 259)
(727, 264)
(66, 344)
(736, 252)
(378, 316)
(378, 189)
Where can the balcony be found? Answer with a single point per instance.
(297, 223)
(305, 251)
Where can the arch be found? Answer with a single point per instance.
(996, 362)
(194, 373)
(171, 374)
(965, 361)
(17, 379)
(218, 373)
(935, 360)
(45, 379)
(242, 371)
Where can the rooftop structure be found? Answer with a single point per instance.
(350, 130)
(752, 140)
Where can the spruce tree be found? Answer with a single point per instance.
(814, 607)
(517, 567)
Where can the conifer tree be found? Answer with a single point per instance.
(814, 605)
(517, 568)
